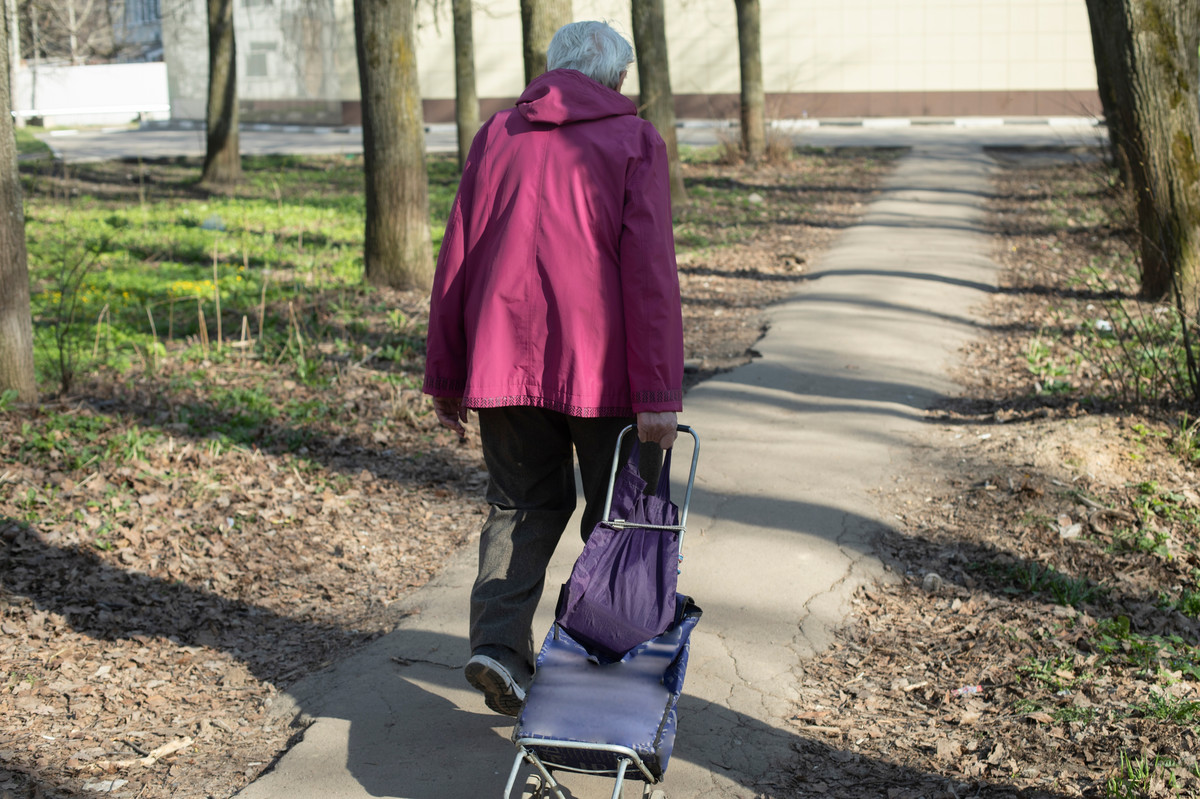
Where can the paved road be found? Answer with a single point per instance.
(99, 145)
(781, 526)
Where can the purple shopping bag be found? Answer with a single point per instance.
(621, 592)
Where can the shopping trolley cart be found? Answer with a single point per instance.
(610, 719)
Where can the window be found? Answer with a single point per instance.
(258, 60)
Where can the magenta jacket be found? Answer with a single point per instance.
(556, 284)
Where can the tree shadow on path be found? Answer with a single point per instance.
(422, 724)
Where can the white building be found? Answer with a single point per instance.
(821, 58)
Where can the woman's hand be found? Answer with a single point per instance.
(660, 428)
(451, 413)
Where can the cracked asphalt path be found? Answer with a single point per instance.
(779, 534)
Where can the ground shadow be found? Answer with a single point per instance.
(109, 603)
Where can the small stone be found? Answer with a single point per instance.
(932, 583)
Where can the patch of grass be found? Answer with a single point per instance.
(1169, 708)
(1141, 349)
(1056, 674)
(67, 441)
(1186, 439)
(1035, 578)
(1137, 774)
(1153, 502)
(1188, 603)
(28, 144)
(1114, 638)
(690, 154)
(1040, 361)
(157, 263)
(1157, 510)
(1148, 541)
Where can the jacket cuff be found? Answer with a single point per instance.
(444, 386)
(658, 401)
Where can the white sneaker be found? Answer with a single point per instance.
(500, 691)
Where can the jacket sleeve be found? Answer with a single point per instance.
(650, 282)
(446, 339)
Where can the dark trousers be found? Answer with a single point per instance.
(531, 493)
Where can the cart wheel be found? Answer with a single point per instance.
(534, 788)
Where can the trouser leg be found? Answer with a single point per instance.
(531, 491)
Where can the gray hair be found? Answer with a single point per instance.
(593, 48)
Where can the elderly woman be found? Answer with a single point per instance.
(555, 315)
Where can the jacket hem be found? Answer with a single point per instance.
(569, 409)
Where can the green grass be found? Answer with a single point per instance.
(29, 145)
(1137, 774)
(1040, 362)
(1148, 654)
(118, 275)
(1187, 603)
(1035, 578)
(1055, 674)
(1156, 509)
(1169, 708)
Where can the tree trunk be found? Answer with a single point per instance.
(466, 101)
(14, 47)
(540, 20)
(654, 81)
(398, 251)
(1147, 50)
(72, 34)
(754, 114)
(222, 159)
(16, 325)
(1104, 69)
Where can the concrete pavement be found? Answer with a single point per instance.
(780, 529)
(83, 145)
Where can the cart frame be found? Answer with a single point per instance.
(627, 757)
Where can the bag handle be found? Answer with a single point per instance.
(663, 489)
(687, 498)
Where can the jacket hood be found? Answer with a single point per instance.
(563, 96)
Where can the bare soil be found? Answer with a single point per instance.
(159, 586)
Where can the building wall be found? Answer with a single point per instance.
(822, 58)
(98, 94)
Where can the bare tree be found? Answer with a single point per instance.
(222, 157)
(754, 106)
(540, 20)
(398, 250)
(13, 35)
(1146, 56)
(654, 82)
(16, 325)
(76, 31)
(466, 100)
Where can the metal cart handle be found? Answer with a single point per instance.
(687, 496)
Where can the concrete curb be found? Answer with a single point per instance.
(777, 124)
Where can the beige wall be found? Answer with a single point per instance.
(819, 53)
(821, 57)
